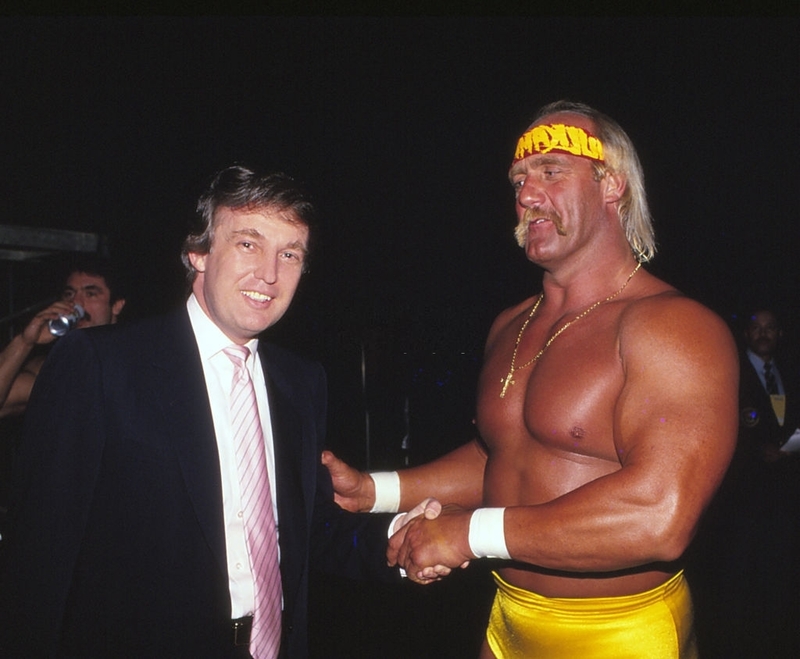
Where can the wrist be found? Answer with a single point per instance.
(22, 343)
(487, 533)
(387, 491)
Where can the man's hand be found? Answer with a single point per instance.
(429, 508)
(353, 490)
(430, 547)
(37, 331)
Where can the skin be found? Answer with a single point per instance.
(92, 293)
(607, 450)
(762, 334)
(247, 280)
(18, 372)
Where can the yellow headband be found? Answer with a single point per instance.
(558, 137)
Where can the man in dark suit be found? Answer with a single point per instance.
(768, 401)
(746, 575)
(131, 536)
(765, 490)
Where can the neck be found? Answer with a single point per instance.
(574, 287)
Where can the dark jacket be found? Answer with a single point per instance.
(117, 545)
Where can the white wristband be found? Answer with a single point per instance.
(387, 491)
(486, 533)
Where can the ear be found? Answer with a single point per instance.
(198, 261)
(116, 309)
(613, 186)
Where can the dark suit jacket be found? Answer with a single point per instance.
(758, 425)
(117, 545)
(750, 476)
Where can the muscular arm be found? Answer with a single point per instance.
(456, 477)
(675, 430)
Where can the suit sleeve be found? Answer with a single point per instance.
(54, 478)
(348, 544)
(343, 543)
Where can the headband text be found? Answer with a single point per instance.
(558, 137)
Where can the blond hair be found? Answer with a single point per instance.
(619, 157)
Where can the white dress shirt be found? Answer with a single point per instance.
(218, 370)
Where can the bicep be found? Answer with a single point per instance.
(675, 421)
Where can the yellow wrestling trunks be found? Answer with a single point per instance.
(656, 624)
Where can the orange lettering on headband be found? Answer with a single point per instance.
(558, 137)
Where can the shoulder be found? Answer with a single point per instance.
(747, 368)
(510, 317)
(278, 359)
(133, 342)
(277, 354)
(665, 326)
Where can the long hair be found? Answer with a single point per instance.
(237, 187)
(619, 157)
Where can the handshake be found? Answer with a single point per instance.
(427, 542)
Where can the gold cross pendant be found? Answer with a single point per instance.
(506, 381)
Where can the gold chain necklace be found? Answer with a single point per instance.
(507, 380)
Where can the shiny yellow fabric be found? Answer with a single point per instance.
(656, 624)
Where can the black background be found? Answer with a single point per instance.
(403, 128)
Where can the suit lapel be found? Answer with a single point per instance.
(183, 398)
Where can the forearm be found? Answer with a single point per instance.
(455, 478)
(605, 525)
(11, 361)
(573, 533)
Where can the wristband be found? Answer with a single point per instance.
(486, 533)
(387, 491)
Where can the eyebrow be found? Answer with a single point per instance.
(541, 161)
(87, 287)
(252, 233)
(255, 233)
(298, 246)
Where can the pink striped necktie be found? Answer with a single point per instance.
(259, 520)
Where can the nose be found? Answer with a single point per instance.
(267, 269)
(530, 194)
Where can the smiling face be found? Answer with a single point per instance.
(248, 278)
(560, 203)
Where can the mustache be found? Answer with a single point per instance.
(521, 231)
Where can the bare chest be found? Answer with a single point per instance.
(563, 402)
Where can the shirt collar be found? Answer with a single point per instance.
(210, 338)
